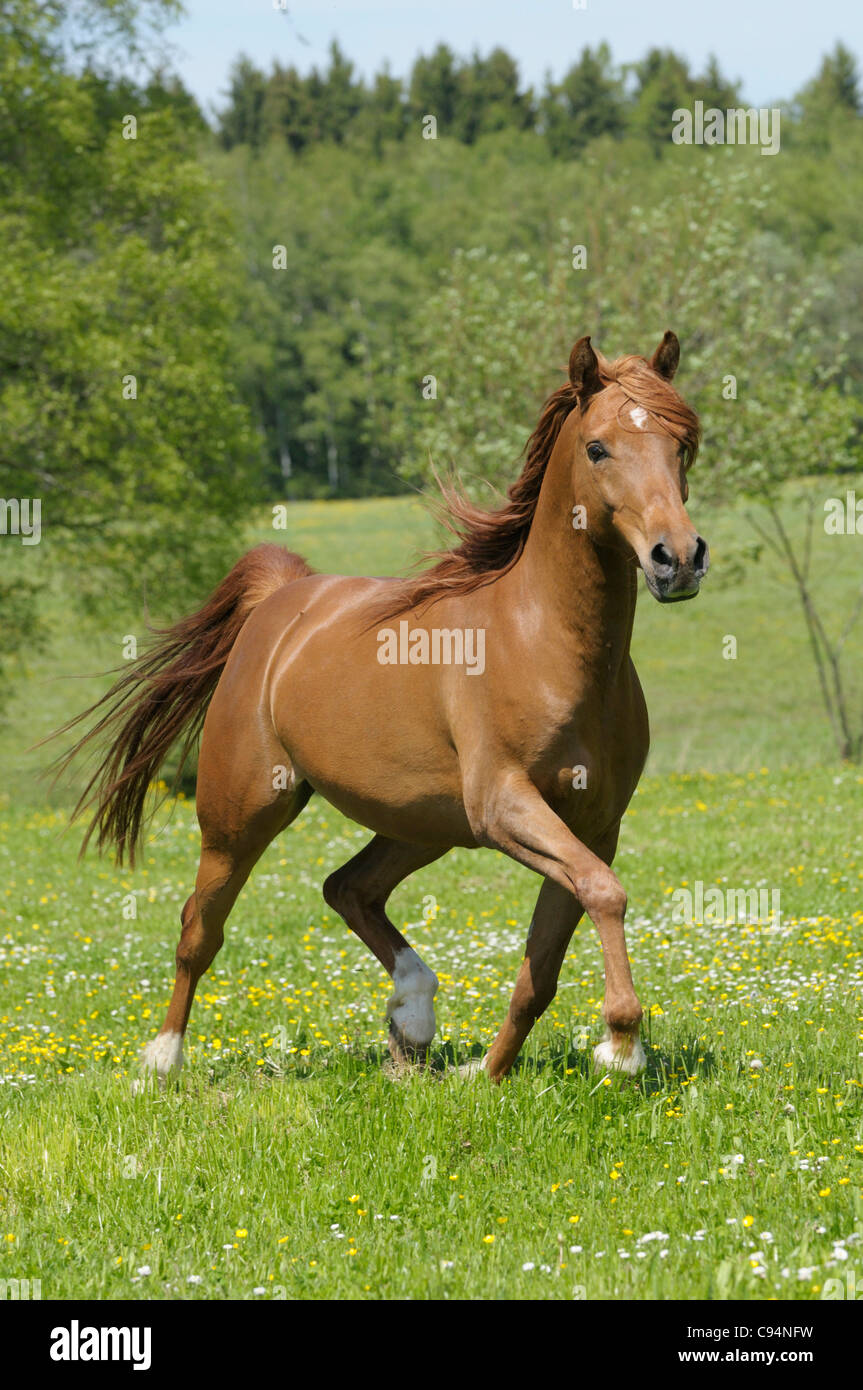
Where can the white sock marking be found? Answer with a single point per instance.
(609, 1058)
(411, 1006)
(163, 1054)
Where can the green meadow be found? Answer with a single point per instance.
(288, 1162)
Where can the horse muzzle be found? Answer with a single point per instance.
(672, 577)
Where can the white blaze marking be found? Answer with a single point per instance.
(411, 1007)
(638, 416)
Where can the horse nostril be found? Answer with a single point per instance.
(662, 558)
(701, 558)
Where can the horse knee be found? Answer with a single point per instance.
(602, 894)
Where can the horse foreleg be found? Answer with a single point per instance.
(514, 818)
(358, 891)
(555, 917)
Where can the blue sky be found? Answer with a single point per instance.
(773, 46)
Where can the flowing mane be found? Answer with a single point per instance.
(490, 542)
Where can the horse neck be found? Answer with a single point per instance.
(587, 592)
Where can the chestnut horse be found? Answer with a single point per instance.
(490, 700)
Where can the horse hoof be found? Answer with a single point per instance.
(474, 1067)
(406, 1055)
(627, 1057)
(150, 1081)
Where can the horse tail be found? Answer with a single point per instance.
(164, 696)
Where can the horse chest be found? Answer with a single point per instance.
(588, 776)
(589, 793)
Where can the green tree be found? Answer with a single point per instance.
(836, 87)
(241, 121)
(714, 88)
(663, 85)
(588, 101)
(489, 98)
(434, 88)
(384, 117)
(830, 104)
(340, 98)
(117, 290)
(287, 111)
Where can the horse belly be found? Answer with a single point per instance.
(373, 741)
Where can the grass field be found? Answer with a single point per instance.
(289, 1163)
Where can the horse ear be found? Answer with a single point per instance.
(584, 371)
(667, 356)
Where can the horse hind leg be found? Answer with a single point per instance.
(358, 892)
(225, 864)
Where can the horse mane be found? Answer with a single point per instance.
(490, 542)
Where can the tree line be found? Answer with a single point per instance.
(483, 94)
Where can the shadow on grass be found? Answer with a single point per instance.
(667, 1066)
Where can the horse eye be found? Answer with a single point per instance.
(595, 451)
